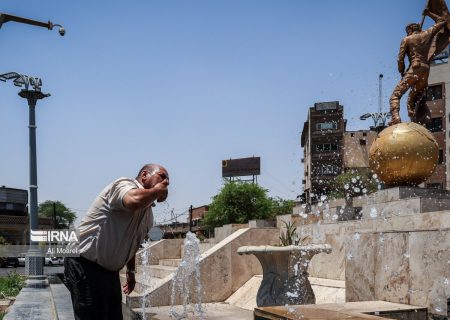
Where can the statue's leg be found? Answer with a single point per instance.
(397, 94)
(417, 109)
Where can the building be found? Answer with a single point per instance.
(197, 214)
(322, 140)
(356, 148)
(14, 219)
(329, 150)
(439, 103)
(179, 229)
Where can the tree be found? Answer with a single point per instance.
(354, 183)
(57, 211)
(281, 206)
(238, 202)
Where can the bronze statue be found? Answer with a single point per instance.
(420, 47)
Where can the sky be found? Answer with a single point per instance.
(187, 84)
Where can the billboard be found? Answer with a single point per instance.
(241, 167)
(321, 106)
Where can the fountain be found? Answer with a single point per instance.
(187, 281)
(144, 260)
(285, 275)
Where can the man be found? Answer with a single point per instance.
(110, 234)
(416, 45)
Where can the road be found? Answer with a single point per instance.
(21, 270)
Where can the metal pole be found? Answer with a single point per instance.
(54, 215)
(33, 166)
(190, 217)
(34, 263)
(380, 93)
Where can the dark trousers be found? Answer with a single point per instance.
(96, 292)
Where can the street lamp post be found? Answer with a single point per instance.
(32, 92)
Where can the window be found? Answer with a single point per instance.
(434, 92)
(326, 147)
(441, 157)
(326, 125)
(327, 169)
(362, 142)
(434, 185)
(364, 134)
(435, 125)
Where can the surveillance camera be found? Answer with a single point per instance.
(62, 31)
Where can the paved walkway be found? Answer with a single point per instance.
(34, 302)
(42, 299)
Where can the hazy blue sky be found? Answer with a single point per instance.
(187, 84)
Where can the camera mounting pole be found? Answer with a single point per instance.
(49, 25)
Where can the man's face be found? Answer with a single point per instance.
(152, 178)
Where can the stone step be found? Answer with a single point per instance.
(147, 284)
(170, 262)
(156, 271)
(212, 311)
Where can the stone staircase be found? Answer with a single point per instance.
(149, 277)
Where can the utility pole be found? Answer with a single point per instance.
(190, 217)
(379, 118)
(54, 215)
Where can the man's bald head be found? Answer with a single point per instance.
(151, 168)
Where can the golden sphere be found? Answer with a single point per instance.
(404, 154)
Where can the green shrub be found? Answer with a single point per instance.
(11, 285)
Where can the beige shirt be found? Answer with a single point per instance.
(111, 234)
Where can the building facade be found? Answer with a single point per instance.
(329, 150)
(356, 148)
(14, 219)
(322, 141)
(439, 103)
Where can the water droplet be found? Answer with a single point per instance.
(373, 213)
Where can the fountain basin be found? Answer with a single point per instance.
(285, 273)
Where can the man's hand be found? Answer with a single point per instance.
(162, 190)
(131, 282)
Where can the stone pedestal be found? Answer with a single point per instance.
(285, 276)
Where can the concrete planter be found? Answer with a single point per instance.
(285, 276)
